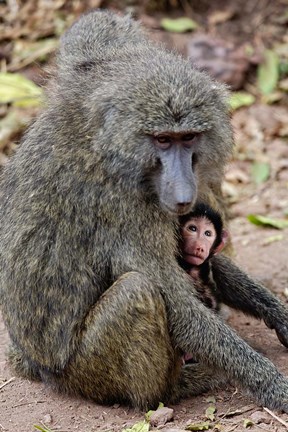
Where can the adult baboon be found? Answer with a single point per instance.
(93, 297)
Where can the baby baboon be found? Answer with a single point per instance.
(92, 294)
(201, 236)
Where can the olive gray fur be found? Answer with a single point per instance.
(92, 295)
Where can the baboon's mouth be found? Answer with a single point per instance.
(170, 211)
(183, 212)
(194, 259)
(176, 212)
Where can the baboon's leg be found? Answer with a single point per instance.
(124, 353)
(22, 365)
(236, 289)
(195, 379)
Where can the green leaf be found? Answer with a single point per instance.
(198, 426)
(16, 89)
(272, 239)
(141, 426)
(179, 25)
(148, 415)
(247, 423)
(210, 411)
(42, 428)
(266, 221)
(211, 399)
(260, 172)
(268, 72)
(240, 99)
(150, 412)
(272, 98)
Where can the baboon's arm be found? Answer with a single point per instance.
(238, 290)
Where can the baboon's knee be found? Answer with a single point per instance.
(126, 352)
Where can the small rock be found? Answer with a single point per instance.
(260, 417)
(172, 430)
(161, 416)
(47, 419)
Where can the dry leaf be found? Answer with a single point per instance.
(221, 16)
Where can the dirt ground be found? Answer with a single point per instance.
(259, 130)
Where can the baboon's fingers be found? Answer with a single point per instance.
(268, 323)
(282, 333)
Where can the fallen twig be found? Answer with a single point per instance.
(231, 429)
(7, 382)
(276, 417)
(28, 403)
(236, 412)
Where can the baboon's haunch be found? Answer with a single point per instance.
(92, 295)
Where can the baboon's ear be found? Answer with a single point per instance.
(224, 239)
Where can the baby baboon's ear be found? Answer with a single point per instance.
(224, 239)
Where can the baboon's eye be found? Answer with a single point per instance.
(208, 233)
(189, 137)
(192, 228)
(162, 139)
(163, 142)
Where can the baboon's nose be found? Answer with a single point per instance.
(183, 207)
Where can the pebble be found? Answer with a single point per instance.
(260, 417)
(47, 419)
(161, 416)
(172, 430)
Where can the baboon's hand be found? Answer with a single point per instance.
(281, 329)
(275, 395)
(282, 333)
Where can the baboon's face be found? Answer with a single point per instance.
(162, 125)
(175, 181)
(198, 237)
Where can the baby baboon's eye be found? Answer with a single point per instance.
(192, 228)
